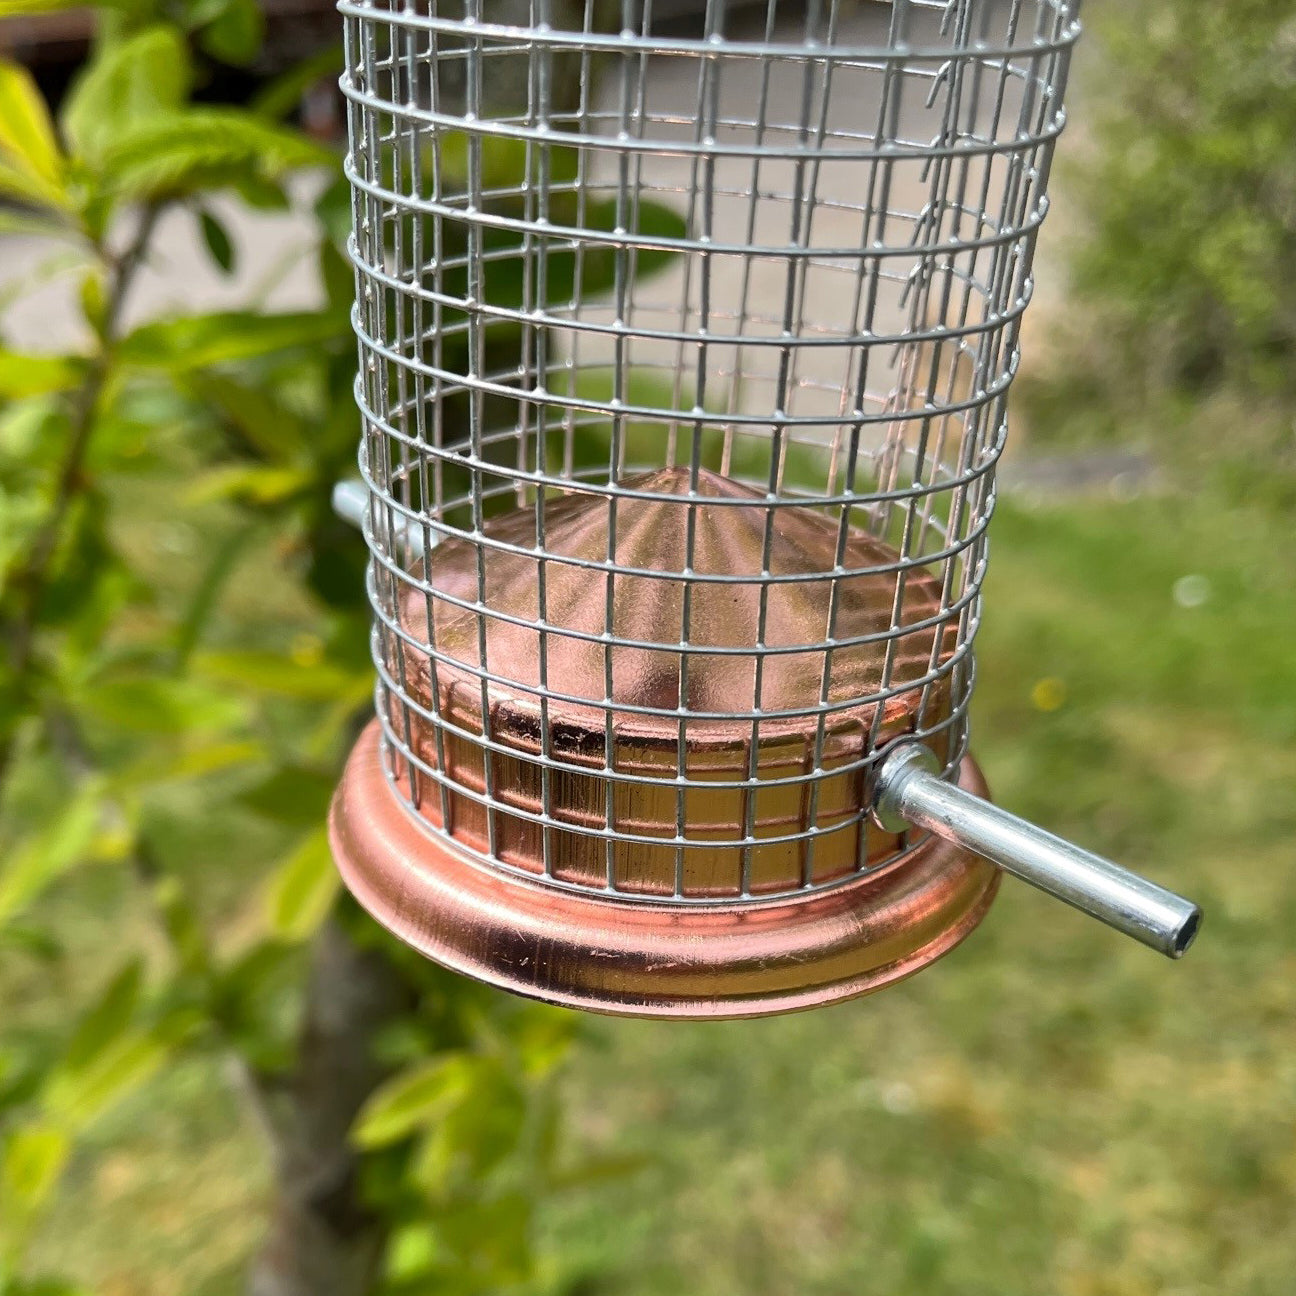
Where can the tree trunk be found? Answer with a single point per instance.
(322, 1241)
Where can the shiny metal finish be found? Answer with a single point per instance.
(910, 791)
(776, 802)
(684, 362)
(647, 958)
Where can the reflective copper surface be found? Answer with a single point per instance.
(646, 958)
(728, 523)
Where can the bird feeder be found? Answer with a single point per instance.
(684, 359)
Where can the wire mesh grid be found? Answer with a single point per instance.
(683, 373)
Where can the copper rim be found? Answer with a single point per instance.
(638, 958)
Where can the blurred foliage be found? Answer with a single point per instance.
(1184, 275)
(1061, 1114)
(130, 701)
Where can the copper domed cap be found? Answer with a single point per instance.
(736, 697)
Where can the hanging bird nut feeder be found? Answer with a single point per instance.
(683, 371)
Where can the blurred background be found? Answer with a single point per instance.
(216, 1076)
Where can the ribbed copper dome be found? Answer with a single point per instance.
(652, 525)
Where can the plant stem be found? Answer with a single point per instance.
(323, 1241)
(34, 575)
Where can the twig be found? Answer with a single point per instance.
(34, 575)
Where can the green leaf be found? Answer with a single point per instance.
(29, 431)
(35, 225)
(293, 794)
(471, 1137)
(28, 145)
(77, 1097)
(190, 762)
(411, 1252)
(184, 931)
(246, 978)
(271, 431)
(36, 942)
(23, 376)
(235, 35)
(218, 240)
(261, 194)
(541, 1038)
(598, 1170)
(23, 1067)
(158, 704)
(206, 595)
(250, 484)
(94, 302)
(508, 275)
(106, 1019)
(248, 999)
(280, 96)
(413, 1099)
(263, 672)
(333, 211)
(492, 1235)
(302, 889)
(24, 188)
(205, 148)
(337, 274)
(44, 857)
(142, 77)
(13, 8)
(34, 1157)
(200, 341)
(45, 1286)
(503, 161)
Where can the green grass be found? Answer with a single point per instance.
(1051, 1110)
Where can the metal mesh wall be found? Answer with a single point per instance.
(684, 356)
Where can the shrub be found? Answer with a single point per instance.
(152, 705)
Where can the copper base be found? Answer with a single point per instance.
(644, 958)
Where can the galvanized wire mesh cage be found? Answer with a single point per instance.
(684, 359)
(727, 323)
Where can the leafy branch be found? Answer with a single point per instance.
(410, 1115)
(31, 578)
